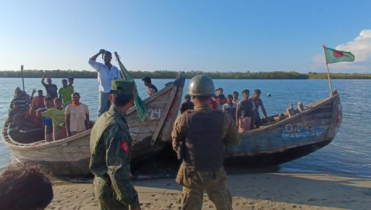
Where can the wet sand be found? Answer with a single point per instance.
(249, 191)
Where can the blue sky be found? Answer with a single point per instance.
(185, 35)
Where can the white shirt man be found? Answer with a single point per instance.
(106, 73)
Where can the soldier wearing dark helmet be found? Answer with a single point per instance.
(198, 137)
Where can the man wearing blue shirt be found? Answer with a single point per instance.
(106, 73)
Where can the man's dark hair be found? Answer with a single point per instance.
(40, 91)
(257, 91)
(75, 93)
(230, 96)
(48, 99)
(187, 96)
(245, 91)
(121, 100)
(23, 186)
(235, 92)
(221, 96)
(64, 80)
(108, 53)
(70, 78)
(57, 99)
(147, 79)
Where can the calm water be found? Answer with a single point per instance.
(348, 154)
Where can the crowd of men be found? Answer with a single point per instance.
(60, 112)
(245, 112)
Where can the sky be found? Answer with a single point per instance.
(185, 35)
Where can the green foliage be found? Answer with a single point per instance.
(166, 74)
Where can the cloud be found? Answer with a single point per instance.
(360, 47)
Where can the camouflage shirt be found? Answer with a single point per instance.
(110, 146)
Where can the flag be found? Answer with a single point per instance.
(335, 56)
(139, 104)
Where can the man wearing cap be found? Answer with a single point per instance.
(198, 138)
(110, 146)
(106, 74)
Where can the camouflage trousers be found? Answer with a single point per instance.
(106, 196)
(219, 195)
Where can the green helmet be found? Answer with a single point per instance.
(201, 85)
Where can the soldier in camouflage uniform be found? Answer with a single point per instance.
(198, 138)
(110, 146)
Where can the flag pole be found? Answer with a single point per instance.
(22, 76)
(328, 72)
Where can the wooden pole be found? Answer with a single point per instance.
(22, 77)
(328, 72)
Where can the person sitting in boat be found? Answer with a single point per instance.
(245, 113)
(148, 83)
(258, 103)
(235, 97)
(65, 93)
(221, 102)
(31, 116)
(23, 186)
(21, 100)
(48, 125)
(16, 109)
(106, 74)
(70, 81)
(230, 107)
(58, 119)
(187, 105)
(51, 89)
(77, 116)
(38, 101)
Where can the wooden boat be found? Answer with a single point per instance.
(70, 156)
(288, 136)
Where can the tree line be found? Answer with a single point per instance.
(166, 74)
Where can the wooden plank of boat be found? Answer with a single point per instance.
(290, 138)
(70, 156)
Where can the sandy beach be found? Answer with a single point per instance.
(249, 191)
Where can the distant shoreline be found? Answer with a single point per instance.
(164, 74)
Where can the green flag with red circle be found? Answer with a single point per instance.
(335, 56)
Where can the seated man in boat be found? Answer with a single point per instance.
(65, 93)
(70, 81)
(48, 125)
(24, 187)
(16, 109)
(230, 107)
(21, 100)
(258, 103)
(187, 105)
(77, 116)
(235, 97)
(245, 113)
(58, 119)
(148, 83)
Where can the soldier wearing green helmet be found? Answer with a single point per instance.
(198, 138)
(110, 146)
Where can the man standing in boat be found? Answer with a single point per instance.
(198, 138)
(258, 103)
(51, 89)
(106, 74)
(148, 83)
(110, 146)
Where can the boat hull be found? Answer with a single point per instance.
(289, 139)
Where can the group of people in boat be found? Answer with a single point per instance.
(244, 112)
(60, 112)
